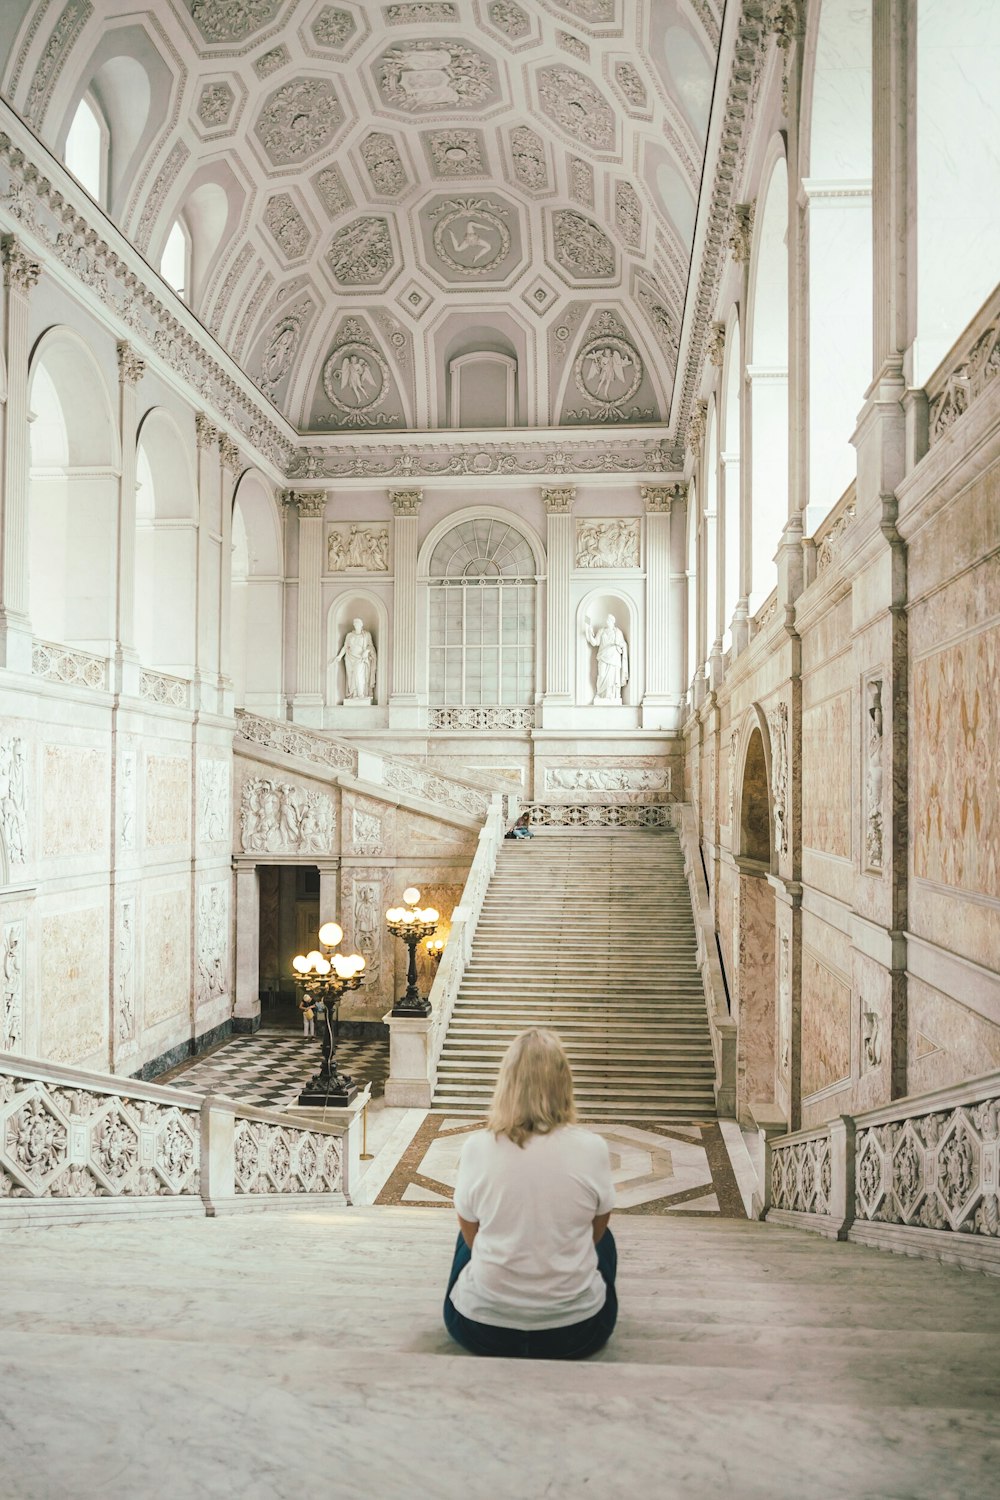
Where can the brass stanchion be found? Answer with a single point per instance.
(366, 1155)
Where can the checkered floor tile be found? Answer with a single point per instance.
(269, 1070)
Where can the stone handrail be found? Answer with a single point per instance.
(918, 1176)
(163, 688)
(440, 788)
(73, 1142)
(57, 663)
(721, 1027)
(597, 815)
(971, 363)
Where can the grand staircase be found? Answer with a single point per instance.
(589, 933)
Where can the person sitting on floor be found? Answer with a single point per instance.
(534, 1270)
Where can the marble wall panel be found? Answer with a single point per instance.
(755, 991)
(168, 800)
(827, 804)
(827, 1014)
(946, 1042)
(597, 780)
(73, 983)
(365, 893)
(726, 908)
(76, 807)
(166, 947)
(368, 826)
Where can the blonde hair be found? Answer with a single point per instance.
(534, 1091)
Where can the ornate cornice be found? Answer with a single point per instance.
(130, 367)
(405, 502)
(524, 453)
(559, 501)
(19, 270)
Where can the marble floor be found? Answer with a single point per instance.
(657, 1169)
(274, 1356)
(271, 1067)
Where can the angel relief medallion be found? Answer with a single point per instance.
(356, 381)
(608, 371)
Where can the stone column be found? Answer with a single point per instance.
(559, 634)
(660, 699)
(20, 274)
(403, 701)
(246, 1007)
(329, 891)
(695, 443)
(307, 705)
(130, 371)
(231, 460)
(205, 648)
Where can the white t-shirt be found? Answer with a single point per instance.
(533, 1261)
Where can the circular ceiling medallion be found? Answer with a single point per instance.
(356, 379)
(608, 370)
(471, 239)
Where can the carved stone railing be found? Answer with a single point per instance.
(432, 786)
(161, 688)
(970, 365)
(597, 815)
(500, 718)
(415, 1043)
(68, 665)
(721, 1027)
(829, 536)
(290, 739)
(74, 1142)
(762, 619)
(919, 1176)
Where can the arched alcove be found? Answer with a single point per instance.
(755, 1007)
(754, 821)
(597, 606)
(366, 606)
(256, 598)
(73, 495)
(166, 547)
(767, 372)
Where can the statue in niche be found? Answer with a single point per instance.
(612, 660)
(359, 658)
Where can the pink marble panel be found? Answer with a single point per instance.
(826, 776)
(755, 992)
(826, 1025)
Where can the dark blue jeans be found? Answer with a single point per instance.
(576, 1341)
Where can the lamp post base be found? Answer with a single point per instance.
(335, 1090)
(418, 1007)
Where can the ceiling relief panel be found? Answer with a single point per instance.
(384, 165)
(362, 254)
(272, 359)
(529, 160)
(332, 191)
(594, 12)
(471, 240)
(581, 251)
(233, 20)
(456, 152)
(333, 28)
(435, 77)
(576, 105)
(664, 324)
(292, 236)
(426, 14)
(215, 109)
(608, 380)
(357, 388)
(510, 19)
(298, 120)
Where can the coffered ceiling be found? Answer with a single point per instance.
(376, 191)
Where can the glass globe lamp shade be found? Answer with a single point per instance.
(300, 964)
(411, 895)
(330, 934)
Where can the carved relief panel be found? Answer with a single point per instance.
(279, 818)
(12, 1013)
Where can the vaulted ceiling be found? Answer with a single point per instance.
(375, 191)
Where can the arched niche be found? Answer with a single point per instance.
(73, 494)
(366, 606)
(767, 372)
(256, 630)
(598, 604)
(761, 1014)
(752, 820)
(482, 366)
(166, 546)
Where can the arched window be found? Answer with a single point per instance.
(481, 637)
(175, 262)
(87, 149)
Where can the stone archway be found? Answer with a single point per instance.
(755, 1003)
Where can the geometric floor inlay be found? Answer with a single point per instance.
(269, 1069)
(656, 1169)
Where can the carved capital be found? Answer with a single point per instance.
(310, 504)
(229, 452)
(741, 230)
(205, 432)
(405, 502)
(559, 502)
(19, 270)
(697, 426)
(658, 498)
(716, 346)
(785, 20)
(130, 367)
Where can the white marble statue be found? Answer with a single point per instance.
(612, 660)
(358, 654)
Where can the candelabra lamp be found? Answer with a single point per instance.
(320, 979)
(434, 948)
(412, 924)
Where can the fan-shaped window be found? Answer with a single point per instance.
(86, 153)
(175, 262)
(482, 616)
